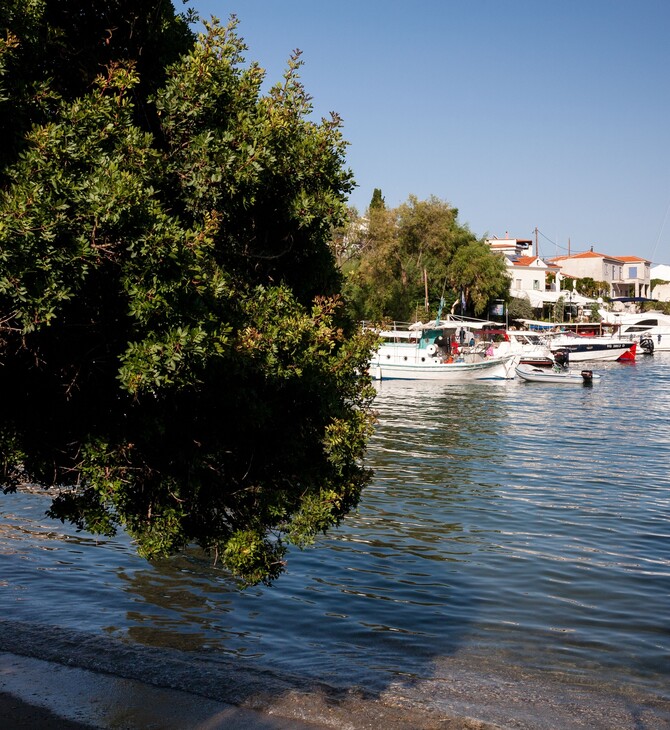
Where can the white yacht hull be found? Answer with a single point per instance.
(586, 350)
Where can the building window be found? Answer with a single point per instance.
(536, 284)
(518, 283)
(632, 272)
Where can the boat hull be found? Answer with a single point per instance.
(655, 325)
(589, 351)
(493, 368)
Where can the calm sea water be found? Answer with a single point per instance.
(510, 561)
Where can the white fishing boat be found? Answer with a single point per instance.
(557, 374)
(433, 351)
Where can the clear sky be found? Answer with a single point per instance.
(519, 113)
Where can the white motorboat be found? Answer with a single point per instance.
(432, 351)
(557, 374)
(584, 348)
(530, 346)
(648, 327)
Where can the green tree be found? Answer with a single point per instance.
(377, 199)
(176, 357)
(591, 288)
(519, 308)
(374, 282)
(479, 274)
(51, 50)
(559, 310)
(406, 246)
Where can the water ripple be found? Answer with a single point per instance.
(513, 524)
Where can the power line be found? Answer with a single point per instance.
(558, 245)
(660, 233)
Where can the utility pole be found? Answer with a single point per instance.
(537, 250)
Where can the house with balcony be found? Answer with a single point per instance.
(636, 277)
(625, 276)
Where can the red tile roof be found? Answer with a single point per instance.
(584, 255)
(595, 254)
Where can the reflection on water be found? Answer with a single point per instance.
(508, 525)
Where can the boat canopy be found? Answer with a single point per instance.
(534, 324)
(633, 299)
(453, 323)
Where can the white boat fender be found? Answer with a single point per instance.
(431, 349)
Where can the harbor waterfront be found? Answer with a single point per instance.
(509, 563)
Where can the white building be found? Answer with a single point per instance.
(661, 291)
(532, 277)
(624, 276)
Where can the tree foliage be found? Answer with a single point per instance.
(417, 244)
(519, 308)
(175, 355)
(479, 274)
(591, 288)
(377, 199)
(55, 50)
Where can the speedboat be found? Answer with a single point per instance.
(584, 348)
(432, 351)
(557, 374)
(530, 346)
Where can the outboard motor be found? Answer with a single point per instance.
(562, 358)
(647, 344)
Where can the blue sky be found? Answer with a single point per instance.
(520, 113)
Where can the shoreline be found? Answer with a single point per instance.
(26, 716)
(51, 695)
(43, 694)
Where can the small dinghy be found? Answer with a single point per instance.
(557, 374)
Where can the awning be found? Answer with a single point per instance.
(538, 298)
(633, 299)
